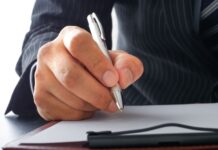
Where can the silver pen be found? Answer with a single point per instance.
(99, 37)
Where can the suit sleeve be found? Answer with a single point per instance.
(48, 18)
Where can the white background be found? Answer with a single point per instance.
(15, 18)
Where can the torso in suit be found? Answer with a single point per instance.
(164, 34)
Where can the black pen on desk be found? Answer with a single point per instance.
(98, 35)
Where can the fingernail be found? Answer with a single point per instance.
(112, 107)
(109, 78)
(128, 76)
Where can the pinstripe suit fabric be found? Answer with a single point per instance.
(178, 67)
(164, 34)
(209, 24)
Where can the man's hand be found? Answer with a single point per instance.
(73, 77)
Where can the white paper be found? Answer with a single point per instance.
(133, 117)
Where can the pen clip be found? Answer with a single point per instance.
(99, 26)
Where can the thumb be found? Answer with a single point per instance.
(129, 67)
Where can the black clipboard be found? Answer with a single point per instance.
(152, 140)
(97, 141)
(108, 139)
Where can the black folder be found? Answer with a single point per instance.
(152, 140)
(131, 138)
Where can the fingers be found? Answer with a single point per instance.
(78, 81)
(62, 94)
(51, 108)
(129, 67)
(82, 47)
(73, 76)
(44, 114)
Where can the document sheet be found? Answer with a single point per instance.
(133, 117)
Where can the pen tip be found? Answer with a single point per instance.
(119, 106)
(118, 98)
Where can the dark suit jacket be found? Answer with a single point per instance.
(164, 34)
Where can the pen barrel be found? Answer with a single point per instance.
(116, 90)
(98, 36)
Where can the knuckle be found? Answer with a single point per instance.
(69, 77)
(80, 39)
(44, 50)
(67, 29)
(38, 75)
(38, 99)
(38, 94)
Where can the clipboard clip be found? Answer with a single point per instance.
(94, 133)
(129, 138)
